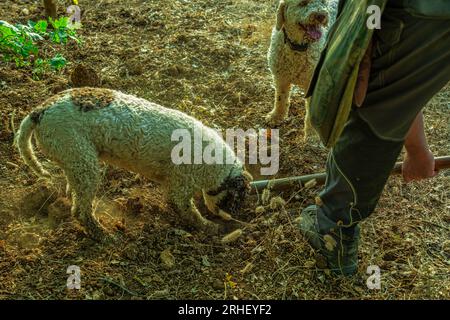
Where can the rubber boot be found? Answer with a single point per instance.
(357, 170)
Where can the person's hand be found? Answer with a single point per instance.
(418, 166)
(362, 83)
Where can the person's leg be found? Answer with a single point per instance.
(410, 64)
(357, 170)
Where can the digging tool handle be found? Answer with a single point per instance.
(300, 181)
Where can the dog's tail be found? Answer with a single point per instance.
(23, 142)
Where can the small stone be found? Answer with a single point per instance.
(167, 259)
(260, 210)
(310, 264)
(97, 295)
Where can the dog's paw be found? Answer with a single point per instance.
(104, 237)
(312, 138)
(275, 119)
(96, 232)
(99, 235)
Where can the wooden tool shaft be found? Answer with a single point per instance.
(300, 181)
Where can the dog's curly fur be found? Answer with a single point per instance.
(79, 127)
(300, 23)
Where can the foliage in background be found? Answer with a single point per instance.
(25, 44)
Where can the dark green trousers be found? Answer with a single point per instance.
(411, 63)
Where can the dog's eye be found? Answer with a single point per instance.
(303, 3)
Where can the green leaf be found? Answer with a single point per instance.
(54, 36)
(39, 68)
(39, 62)
(19, 42)
(7, 57)
(41, 26)
(61, 23)
(7, 25)
(35, 36)
(5, 31)
(23, 28)
(62, 36)
(58, 62)
(74, 38)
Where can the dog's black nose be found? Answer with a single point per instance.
(319, 17)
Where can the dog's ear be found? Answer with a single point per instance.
(280, 14)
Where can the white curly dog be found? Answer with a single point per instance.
(78, 127)
(297, 41)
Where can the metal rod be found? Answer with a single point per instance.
(300, 181)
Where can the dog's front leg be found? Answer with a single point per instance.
(308, 128)
(186, 207)
(281, 108)
(68, 190)
(200, 221)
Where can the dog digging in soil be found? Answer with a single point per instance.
(79, 127)
(297, 41)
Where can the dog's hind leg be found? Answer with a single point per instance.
(281, 108)
(83, 175)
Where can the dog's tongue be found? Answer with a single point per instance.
(313, 32)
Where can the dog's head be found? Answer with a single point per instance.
(230, 195)
(303, 20)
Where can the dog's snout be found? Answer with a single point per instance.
(321, 18)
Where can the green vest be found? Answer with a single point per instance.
(333, 83)
(334, 80)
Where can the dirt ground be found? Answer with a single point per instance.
(208, 59)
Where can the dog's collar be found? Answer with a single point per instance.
(302, 47)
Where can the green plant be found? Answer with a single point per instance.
(28, 45)
(62, 31)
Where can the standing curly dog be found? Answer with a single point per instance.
(297, 41)
(79, 127)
